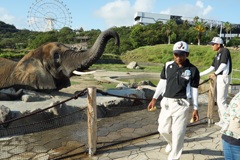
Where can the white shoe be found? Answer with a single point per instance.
(168, 148)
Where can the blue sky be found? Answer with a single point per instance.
(103, 14)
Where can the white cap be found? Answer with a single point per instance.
(180, 47)
(216, 40)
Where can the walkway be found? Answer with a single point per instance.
(201, 142)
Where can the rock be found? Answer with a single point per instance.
(121, 86)
(32, 96)
(137, 67)
(127, 92)
(133, 85)
(4, 112)
(133, 65)
(10, 94)
(146, 82)
(8, 90)
(61, 108)
(54, 109)
(29, 98)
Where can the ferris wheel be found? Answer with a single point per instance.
(48, 15)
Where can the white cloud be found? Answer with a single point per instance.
(5, 17)
(189, 10)
(166, 11)
(18, 22)
(121, 12)
(207, 10)
(116, 13)
(143, 5)
(199, 4)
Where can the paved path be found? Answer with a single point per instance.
(117, 140)
(203, 144)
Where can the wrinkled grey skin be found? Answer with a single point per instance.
(50, 66)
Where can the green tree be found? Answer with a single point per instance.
(4, 28)
(137, 37)
(7, 43)
(21, 38)
(228, 27)
(200, 27)
(168, 29)
(182, 32)
(125, 42)
(92, 34)
(42, 38)
(66, 35)
(235, 41)
(191, 35)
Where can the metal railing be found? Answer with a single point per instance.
(235, 76)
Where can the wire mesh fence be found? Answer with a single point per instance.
(40, 122)
(66, 137)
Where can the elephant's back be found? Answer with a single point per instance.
(6, 68)
(4, 61)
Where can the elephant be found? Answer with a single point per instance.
(50, 66)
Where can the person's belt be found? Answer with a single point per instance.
(180, 101)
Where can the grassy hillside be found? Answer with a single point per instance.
(152, 58)
(201, 56)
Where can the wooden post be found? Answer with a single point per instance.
(211, 100)
(92, 121)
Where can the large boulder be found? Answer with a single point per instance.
(133, 65)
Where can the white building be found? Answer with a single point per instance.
(150, 18)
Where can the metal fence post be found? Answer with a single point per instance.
(92, 121)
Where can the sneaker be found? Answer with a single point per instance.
(168, 148)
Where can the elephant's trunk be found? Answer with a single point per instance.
(96, 51)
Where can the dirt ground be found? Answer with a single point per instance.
(102, 79)
(79, 83)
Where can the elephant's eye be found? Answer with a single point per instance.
(57, 58)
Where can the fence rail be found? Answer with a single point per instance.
(235, 76)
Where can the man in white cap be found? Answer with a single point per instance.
(222, 67)
(179, 82)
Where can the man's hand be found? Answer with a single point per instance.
(151, 104)
(195, 115)
(212, 76)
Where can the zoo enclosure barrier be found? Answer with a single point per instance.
(234, 87)
(234, 75)
(92, 120)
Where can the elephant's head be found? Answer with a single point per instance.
(51, 65)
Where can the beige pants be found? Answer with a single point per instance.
(222, 91)
(172, 124)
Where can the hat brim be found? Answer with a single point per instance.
(211, 43)
(179, 52)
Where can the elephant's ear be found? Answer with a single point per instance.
(30, 72)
